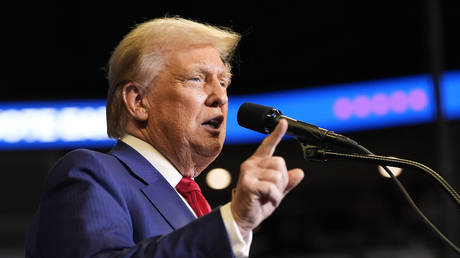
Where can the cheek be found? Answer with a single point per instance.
(167, 117)
(191, 109)
(184, 118)
(181, 107)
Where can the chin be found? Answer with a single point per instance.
(210, 150)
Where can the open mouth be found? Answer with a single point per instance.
(215, 122)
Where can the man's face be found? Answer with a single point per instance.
(188, 105)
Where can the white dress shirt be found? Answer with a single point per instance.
(172, 175)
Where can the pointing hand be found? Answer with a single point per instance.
(264, 181)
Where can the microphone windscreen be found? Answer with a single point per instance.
(256, 117)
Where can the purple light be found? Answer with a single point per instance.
(343, 108)
(380, 104)
(362, 106)
(398, 101)
(418, 99)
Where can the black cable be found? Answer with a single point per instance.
(372, 157)
(397, 162)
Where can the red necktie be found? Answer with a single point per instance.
(190, 190)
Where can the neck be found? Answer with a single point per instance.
(188, 162)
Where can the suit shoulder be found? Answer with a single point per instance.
(80, 155)
(83, 161)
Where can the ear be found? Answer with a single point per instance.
(134, 99)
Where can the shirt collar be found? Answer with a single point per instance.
(166, 169)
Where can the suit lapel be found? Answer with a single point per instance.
(159, 192)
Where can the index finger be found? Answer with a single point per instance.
(268, 146)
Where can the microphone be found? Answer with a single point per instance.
(264, 119)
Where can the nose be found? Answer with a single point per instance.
(218, 94)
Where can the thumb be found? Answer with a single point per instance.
(295, 177)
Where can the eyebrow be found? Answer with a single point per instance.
(206, 69)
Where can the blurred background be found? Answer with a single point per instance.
(352, 66)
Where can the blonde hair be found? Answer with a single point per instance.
(139, 57)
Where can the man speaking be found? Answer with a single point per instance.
(167, 106)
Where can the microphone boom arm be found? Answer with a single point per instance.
(316, 153)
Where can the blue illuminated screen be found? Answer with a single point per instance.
(342, 108)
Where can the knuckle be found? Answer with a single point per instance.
(245, 181)
(278, 159)
(243, 166)
(279, 162)
(266, 190)
(246, 165)
(277, 176)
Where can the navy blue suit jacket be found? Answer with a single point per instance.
(119, 205)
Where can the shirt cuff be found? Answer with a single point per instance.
(239, 246)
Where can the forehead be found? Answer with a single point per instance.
(204, 58)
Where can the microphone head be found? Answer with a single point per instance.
(257, 117)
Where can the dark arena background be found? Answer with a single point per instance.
(57, 51)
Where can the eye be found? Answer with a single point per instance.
(195, 79)
(224, 83)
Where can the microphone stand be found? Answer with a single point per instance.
(321, 153)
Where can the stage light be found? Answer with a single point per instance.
(218, 178)
(395, 170)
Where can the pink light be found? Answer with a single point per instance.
(380, 104)
(362, 106)
(418, 99)
(343, 108)
(398, 101)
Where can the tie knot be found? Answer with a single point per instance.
(187, 185)
(190, 190)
